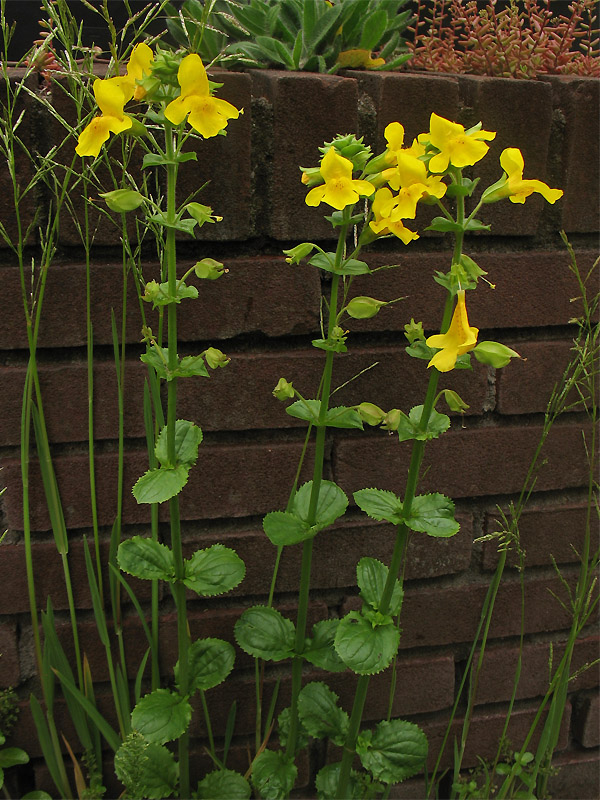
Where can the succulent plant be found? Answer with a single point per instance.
(310, 35)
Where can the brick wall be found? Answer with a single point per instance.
(263, 314)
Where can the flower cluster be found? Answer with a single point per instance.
(144, 80)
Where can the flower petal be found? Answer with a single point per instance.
(334, 166)
(177, 110)
(315, 196)
(110, 97)
(192, 76)
(511, 161)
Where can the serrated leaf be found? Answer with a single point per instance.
(213, 571)
(321, 716)
(444, 225)
(419, 349)
(145, 558)
(335, 345)
(394, 751)
(265, 633)
(327, 782)
(324, 261)
(283, 528)
(273, 774)
(183, 225)
(161, 716)
(210, 662)
(352, 266)
(160, 772)
(477, 225)
(305, 409)
(187, 440)
(380, 505)
(159, 485)
(371, 576)
(320, 650)
(342, 417)
(409, 427)
(331, 504)
(283, 730)
(433, 514)
(364, 647)
(224, 784)
(190, 366)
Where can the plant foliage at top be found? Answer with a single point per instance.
(525, 39)
(309, 35)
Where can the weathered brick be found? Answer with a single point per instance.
(299, 128)
(287, 304)
(9, 655)
(505, 107)
(576, 100)
(578, 775)
(547, 533)
(496, 679)
(586, 721)
(528, 385)
(492, 461)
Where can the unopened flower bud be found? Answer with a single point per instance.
(495, 354)
(311, 176)
(215, 358)
(296, 254)
(414, 331)
(364, 307)
(391, 420)
(370, 413)
(284, 390)
(123, 200)
(151, 291)
(209, 268)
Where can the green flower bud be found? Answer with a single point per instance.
(364, 307)
(455, 401)
(370, 413)
(351, 148)
(151, 291)
(296, 254)
(215, 358)
(201, 213)
(391, 420)
(311, 176)
(123, 200)
(414, 331)
(209, 268)
(495, 354)
(284, 390)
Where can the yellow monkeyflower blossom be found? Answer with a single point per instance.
(411, 171)
(139, 64)
(207, 115)
(459, 338)
(340, 188)
(110, 99)
(517, 189)
(457, 146)
(389, 213)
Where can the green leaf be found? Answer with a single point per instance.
(224, 784)
(374, 27)
(12, 757)
(264, 633)
(215, 570)
(410, 428)
(161, 716)
(433, 514)
(327, 782)
(158, 293)
(364, 647)
(155, 160)
(394, 751)
(184, 225)
(444, 225)
(153, 358)
(305, 409)
(477, 225)
(320, 650)
(342, 417)
(274, 774)
(324, 261)
(145, 768)
(331, 504)
(380, 505)
(147, 559)
(190, 366)
(159, 485)
(283, 730)
(187, 440)
(351, 266)
(276, 51)
(335, 345)
(419, 349)
(371, 576)
(210, 662)
(283, 528)
(320, 714)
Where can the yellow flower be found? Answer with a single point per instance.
(340, 189)
(459, 338)
(389, 213)
(394, 136)
(110, 99)
(139, 65)
(457, 146)
(207, 115)
(410, 171)
(516, 189)
(359, 58)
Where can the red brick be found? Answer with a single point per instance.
(586, 721)
(9, 655)
(578, 776)
(496, 679)
(224, 164)
(443, 616)
(546, 533)
(528, 385)
(288, 303)
(576, 99)
(492, 461)
(505, 107)
(293, 128)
